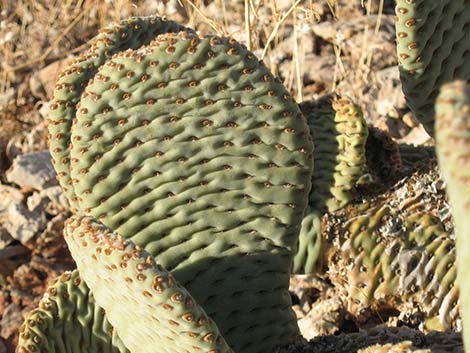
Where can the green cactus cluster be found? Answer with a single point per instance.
(189, 149)
(132, 288)
(340, 134)
(68, 320)
(129, 34)
(433, 48)
(453, 150)
(189, 169)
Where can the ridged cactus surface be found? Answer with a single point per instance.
(67, 321)
(394, 252)
(453, 150)
(135, 289)
(129, 34)
(339, 133)
(189, 147)
(433, 48)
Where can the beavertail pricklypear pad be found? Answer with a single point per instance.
(189, 147)
(433, 48)
(453, 151)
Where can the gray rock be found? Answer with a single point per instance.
(390, 98)
(11, 320)
(23, 224)
(59, 202)
(51, 200)
(33, 170)
(8, 195)
(37, 202)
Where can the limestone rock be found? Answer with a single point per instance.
(33, 170)
(11, 320)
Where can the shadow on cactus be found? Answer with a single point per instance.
(190, 155)
(433, 48)
(339, 133)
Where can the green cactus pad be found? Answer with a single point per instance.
(134, 289)
(394, 252)
(433, 48)
(68, 321)
(131, 33)
(340, 133)
(309, 252)
(453, 151)
(195, 138)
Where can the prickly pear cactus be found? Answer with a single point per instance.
(68, 320)
(129, 34)
(453, 150)
(133, 288)
(340, 133)
(191, 149)
(433, 48)
(394, 252)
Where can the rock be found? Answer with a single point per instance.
(325, 318)
(44, 110)
(58, 200)
(8, 195)
(50, 244)
(410, 120)
(36, 140)
(33, 170)
(23, 224)
(37, 202)
(390, 98)
(11, 321)
(36, 87)
(51, 200)
(417, 136)
(5, 238)
(42, 82)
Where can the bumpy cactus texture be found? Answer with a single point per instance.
(71, 83)
(190, 148)
(68, 320)
(433, 48)
(133, 288)
(339, 133)
(393, 252)
(453, 150)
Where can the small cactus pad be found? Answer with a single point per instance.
(339, 133)
(309, 252)
(453, 150)
(394, 252)
(68, 321)
(134, 289)
(191, 148)
(131, 33)
(433, 48)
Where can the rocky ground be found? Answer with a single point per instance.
(321, 47)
